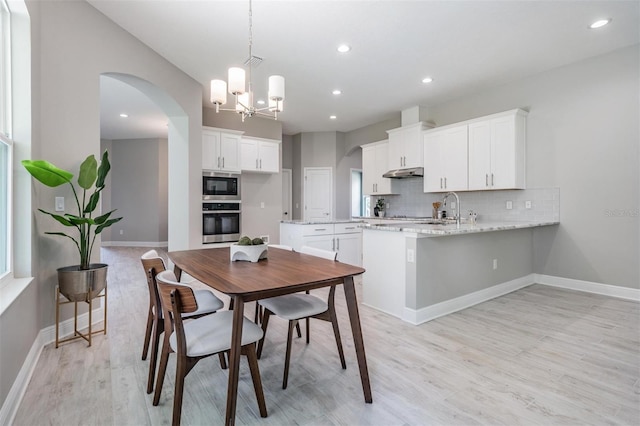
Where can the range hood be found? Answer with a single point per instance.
(405, 173)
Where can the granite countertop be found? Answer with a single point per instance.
(437, 230)
(316, 222)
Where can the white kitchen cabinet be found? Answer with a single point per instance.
(445, 159)
(374, 165)
(345, 238)
(497, 151)
(221, 149)
(405, 146)
(260, 155)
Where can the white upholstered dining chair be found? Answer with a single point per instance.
(199, 338)
(297, 306)
(207, 304)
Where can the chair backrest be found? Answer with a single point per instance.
(153, 264)
(167, 283)
(281, 246)
(313, 251)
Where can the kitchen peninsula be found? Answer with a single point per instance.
(418, 271)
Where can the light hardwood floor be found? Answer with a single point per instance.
(540, 355)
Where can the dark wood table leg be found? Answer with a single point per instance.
(356, 329)
(234, 359)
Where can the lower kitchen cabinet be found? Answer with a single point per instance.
(345, 238)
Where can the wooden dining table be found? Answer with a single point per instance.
(282, 272)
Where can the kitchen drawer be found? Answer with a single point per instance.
(317, 229)
(347, 228)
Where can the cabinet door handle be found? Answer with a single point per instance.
(337, 244)
(223, 162)
(320, 229)
(333, 244)
(440, 183)
(486, 180)
(492, 179)
(445, 183)
(218, 162)
(256, 163)
(261, 164)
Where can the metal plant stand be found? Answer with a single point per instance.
(77, 334)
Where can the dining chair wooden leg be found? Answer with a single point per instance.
(287, 357)
(181, 372)
(250, 352)
(223, 361)
(158, 328)
(265, 322)
(298, 330)
(308, 329)
(147, 334)
(164, 359)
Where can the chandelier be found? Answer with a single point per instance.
(243, 95)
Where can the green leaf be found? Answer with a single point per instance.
(63, 220)
(103, 170)
(101, 219)
(107, 224)
(93, 202)
(46, 173)
(88, 172)
(80, 220)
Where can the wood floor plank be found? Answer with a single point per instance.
(540, 355)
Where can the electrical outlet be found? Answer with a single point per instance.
(509, 205)
(527, 204)
(411, 256)
(265, 238)
(262, 204)
(122, 232)
(495, 263)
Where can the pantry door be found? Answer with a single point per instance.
(318, 194)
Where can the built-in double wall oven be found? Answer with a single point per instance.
(221, 207)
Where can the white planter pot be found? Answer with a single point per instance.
(248, 253)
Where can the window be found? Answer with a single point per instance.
(6, 144)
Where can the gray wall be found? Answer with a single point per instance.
(582, 136)
(255, 126)
(139, 190)
(372, 133)
(65, 128)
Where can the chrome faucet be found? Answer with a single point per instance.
(444, 203)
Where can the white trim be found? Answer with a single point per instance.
(10, 290)
(429, 313)
(45, 336)
(589, 287)
(135, 244)
(19, 387)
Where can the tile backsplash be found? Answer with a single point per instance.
(410, 200)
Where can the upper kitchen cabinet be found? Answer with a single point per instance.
(405, 146)
(497, 151)
(445, 159)
(374, 165)
(221, 149)
(260, 155)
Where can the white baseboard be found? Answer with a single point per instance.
(428, 313)
(45, 336)
(134, 244)
(589, 287)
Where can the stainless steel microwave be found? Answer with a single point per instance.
(220, 186)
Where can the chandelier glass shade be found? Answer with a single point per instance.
(244, 96)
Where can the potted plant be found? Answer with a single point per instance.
(85, 280)
(380, 207)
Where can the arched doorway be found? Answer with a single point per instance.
(177, 122)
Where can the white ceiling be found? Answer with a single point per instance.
(465, 46)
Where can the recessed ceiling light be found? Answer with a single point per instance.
(123, 115)
(260, 102)
(427, 80)
(600, 23)
(337, 92)
(332, 117)
(344, 48)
